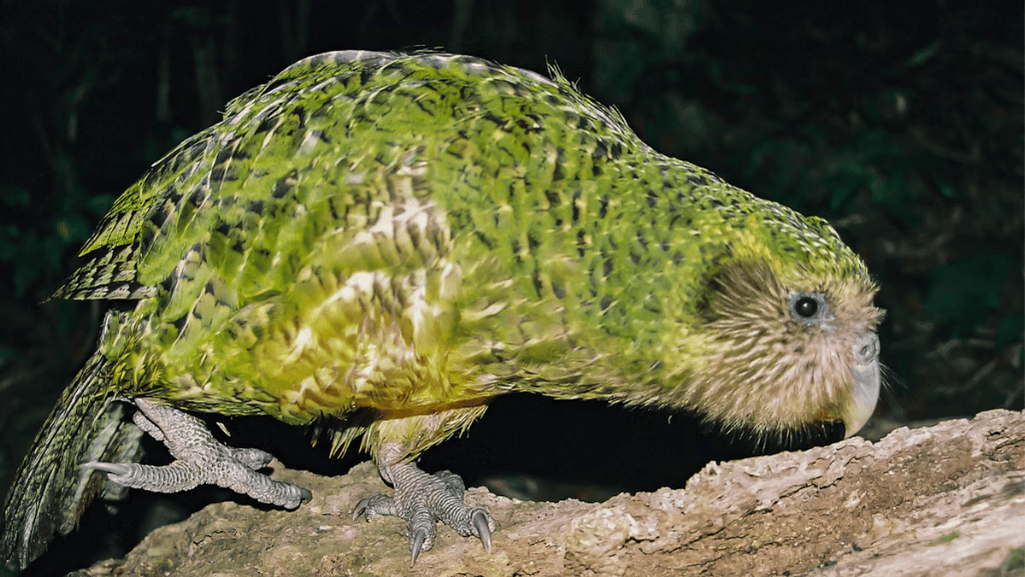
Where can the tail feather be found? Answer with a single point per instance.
(51, 489)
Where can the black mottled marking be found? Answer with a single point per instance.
(223, 174)
(264, 255)
(177, 161)
(641, 240)
(334, 209)
(697, 179)
(197, 196)
(603, 206)
(536, 123)
(558, 288)
(160, 214)
(576, 207)
(457, 154)
(558, 174)
(535, 276)
(285, 184)
(414, 238)
(365, 74)
(225, 154)
(616, 150)
(437, 238)
(179, 323)
(606, 303)
(266, 125)
(607, 267)
(165, 285)
(715, 203)
(153, 176)
(553, 197)
(532, 242)
(319, 135)
(581, 245)
(493, 119)
(420, 104)
(145, 236)
(259, 331)
(703, 302)
(652, 199)
(195, 150)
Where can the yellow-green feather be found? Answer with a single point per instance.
(403, 235)
(376, 244)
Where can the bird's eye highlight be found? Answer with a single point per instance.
(809, 308)
(806, 307)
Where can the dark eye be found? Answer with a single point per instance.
(809, 308)
(806, 307)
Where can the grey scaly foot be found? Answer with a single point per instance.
(422, 500)
(199, 460)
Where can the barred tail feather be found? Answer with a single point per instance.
(51, 489)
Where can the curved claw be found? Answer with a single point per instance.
(480, 522)
(360, 508)
(305, 495)
(416, 543)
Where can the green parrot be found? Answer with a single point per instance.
(375, 245)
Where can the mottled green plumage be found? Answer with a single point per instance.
(379, 243)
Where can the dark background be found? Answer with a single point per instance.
(900, 122)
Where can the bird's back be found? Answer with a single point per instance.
(365, 230)
(407, 233)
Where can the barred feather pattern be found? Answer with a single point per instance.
(376, 244)
(52, 490)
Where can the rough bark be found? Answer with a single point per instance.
(943, 500)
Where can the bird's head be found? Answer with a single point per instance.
(786, 336)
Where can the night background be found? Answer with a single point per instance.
(901, 123)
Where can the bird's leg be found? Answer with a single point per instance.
(199, 460)
(422, 500)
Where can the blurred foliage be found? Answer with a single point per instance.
(902, 123)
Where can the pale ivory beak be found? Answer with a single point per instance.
(865, 371)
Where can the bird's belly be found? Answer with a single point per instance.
(328, 347)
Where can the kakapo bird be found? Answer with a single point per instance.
(377, 244)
